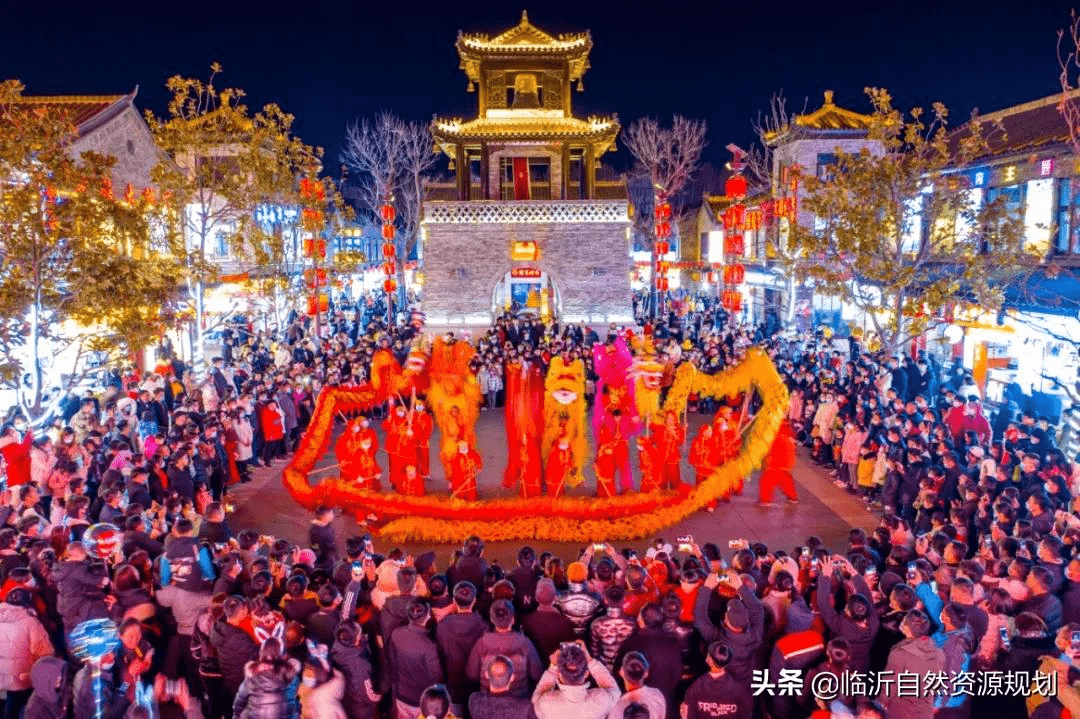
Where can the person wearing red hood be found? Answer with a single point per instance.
(964, 417)
(15, 443)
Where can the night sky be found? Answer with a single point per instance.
(329, 63)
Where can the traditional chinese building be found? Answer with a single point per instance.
(526, 226)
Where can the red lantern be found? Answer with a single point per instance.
(735, 186)
(663, 230)
(731, 300)
(388, 269)
(389, 286)
(734, 274)
(312, 306)
(324, 303)
(661, 248)
(663, 284)
(733, 245)
(320, 277)
(389, 251)
(710, 277)
(320, 249)
(663, 211)
(388, 213)
(309, 247)
(388, 232)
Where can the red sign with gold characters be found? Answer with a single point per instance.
(529, 273)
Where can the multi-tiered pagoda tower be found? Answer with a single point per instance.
(526, 226)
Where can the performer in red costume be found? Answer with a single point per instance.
(412, 483)
(606, 467)
(560, 466)
(776, 470)
(528, 468)
(347, 449)
(650, 460)
(407, 451)
(669, 440)
(465, 466)
(422, 427)
(395, 427)
(700, 449)
(727, 443)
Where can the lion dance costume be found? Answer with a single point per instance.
(564, 414)
(615, 416)
(524, 426)
(454, 396)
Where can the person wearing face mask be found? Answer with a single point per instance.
(23, 640)
(398, 443)
(15, 443)
(465, 466)
(825, 417)
(422, 427)
(114, 703)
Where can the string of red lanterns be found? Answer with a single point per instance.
(663, 232)
(734, 247)
(389, 251)
(314, 248)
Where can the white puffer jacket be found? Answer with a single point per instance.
(23, 640)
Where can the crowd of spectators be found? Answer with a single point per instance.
(973, 565)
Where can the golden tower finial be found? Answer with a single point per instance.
(828, 97)
(524, 16)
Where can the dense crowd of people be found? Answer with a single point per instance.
(973, 568)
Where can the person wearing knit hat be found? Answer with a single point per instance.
(577, 604)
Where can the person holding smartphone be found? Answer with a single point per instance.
(564, 692)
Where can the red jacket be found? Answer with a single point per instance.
(272, 427)
(17, 456)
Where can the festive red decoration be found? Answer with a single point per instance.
(662, 284)
(309, 247)
(733, 245)
(734, 274)
(735, 186)
(662, 248)
(389, 251)
(312, 306)
(389, 285)
(319, 251)
(388, 269)
(388, 232)
(731, 300)
(663, 211)
(388, 213)
(663, 229)
(662, 267)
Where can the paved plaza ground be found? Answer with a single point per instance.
(823, 510)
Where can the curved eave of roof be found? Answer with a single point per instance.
(456, 131)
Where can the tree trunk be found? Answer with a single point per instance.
(402, 297)
(198, 352)
(32, 401)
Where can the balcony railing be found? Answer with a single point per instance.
(603, 190)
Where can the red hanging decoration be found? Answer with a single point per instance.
(312, 306)
(663, 230)
(734, 274)
(389, 251)
(731, 300)
(389, 286)
(320, 249)
(324, 303)
(309, 247)
(662, 248)
(388, 269)
(736, 186)
(388, 213)
(663, 211)
(734, 245)
(388, 232)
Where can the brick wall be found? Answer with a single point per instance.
(588, 262)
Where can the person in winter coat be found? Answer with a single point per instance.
(321, 690)
(717, 688)
(23, 640)
(456, 635)
(412, 660)
(80, 588)
(269, 687)
(508, 643)
(743, 627)
(114, 703)
(917, 654)
(825, 417)
(15, 443)
(51, 696)
(564, 692)
(858, 623)
(234, 647)
(349, 658)
(272, 422)
(496, 701)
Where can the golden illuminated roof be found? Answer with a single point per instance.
(524, 39)
(525, 126)
(827, 118)
(79, 109)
